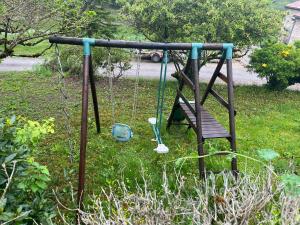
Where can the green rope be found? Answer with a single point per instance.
(160, 96)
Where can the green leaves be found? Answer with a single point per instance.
(267, 154)
(35, 178)
(291, 183)
(3, 202)
(33, 131)
(10, 158)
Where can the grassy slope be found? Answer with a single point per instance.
(265, 120)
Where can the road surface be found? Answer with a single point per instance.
(149, 70)
(241, 75)
(19, 64)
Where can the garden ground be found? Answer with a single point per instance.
(265, 120)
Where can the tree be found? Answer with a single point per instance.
(101, 25)
(242, 22)
(30, 22)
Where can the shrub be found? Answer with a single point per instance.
(278, 63)
(23, 182)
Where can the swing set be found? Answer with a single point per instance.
(204, 125)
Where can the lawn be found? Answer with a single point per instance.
(265, 120)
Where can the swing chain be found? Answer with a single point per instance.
(109, 70)
(64, 106)
(136, 85)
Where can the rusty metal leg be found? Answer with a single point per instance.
(83, 135)
(94, 95)
(231, 116)
(195, 71)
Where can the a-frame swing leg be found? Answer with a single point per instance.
(84, 128)
(200, 147)
(94, 95)
(231, 116)
(87, 76)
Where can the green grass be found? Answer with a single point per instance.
(27, 50)
(30, 50)
(265, 119)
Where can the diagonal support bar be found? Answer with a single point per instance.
(213, 78)
(94, 95)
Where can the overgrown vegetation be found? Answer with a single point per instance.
(219, 200)
(23, 181)
(279, 63)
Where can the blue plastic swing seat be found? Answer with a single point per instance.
(122, 132)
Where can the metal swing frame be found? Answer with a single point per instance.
(88, 78)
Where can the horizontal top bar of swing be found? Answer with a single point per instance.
(135, 44)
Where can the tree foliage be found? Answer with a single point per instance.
(242, 22)
(30, 22)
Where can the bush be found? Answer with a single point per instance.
(23, 182)
(278, 63)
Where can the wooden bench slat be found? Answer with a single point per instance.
(211, 128)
